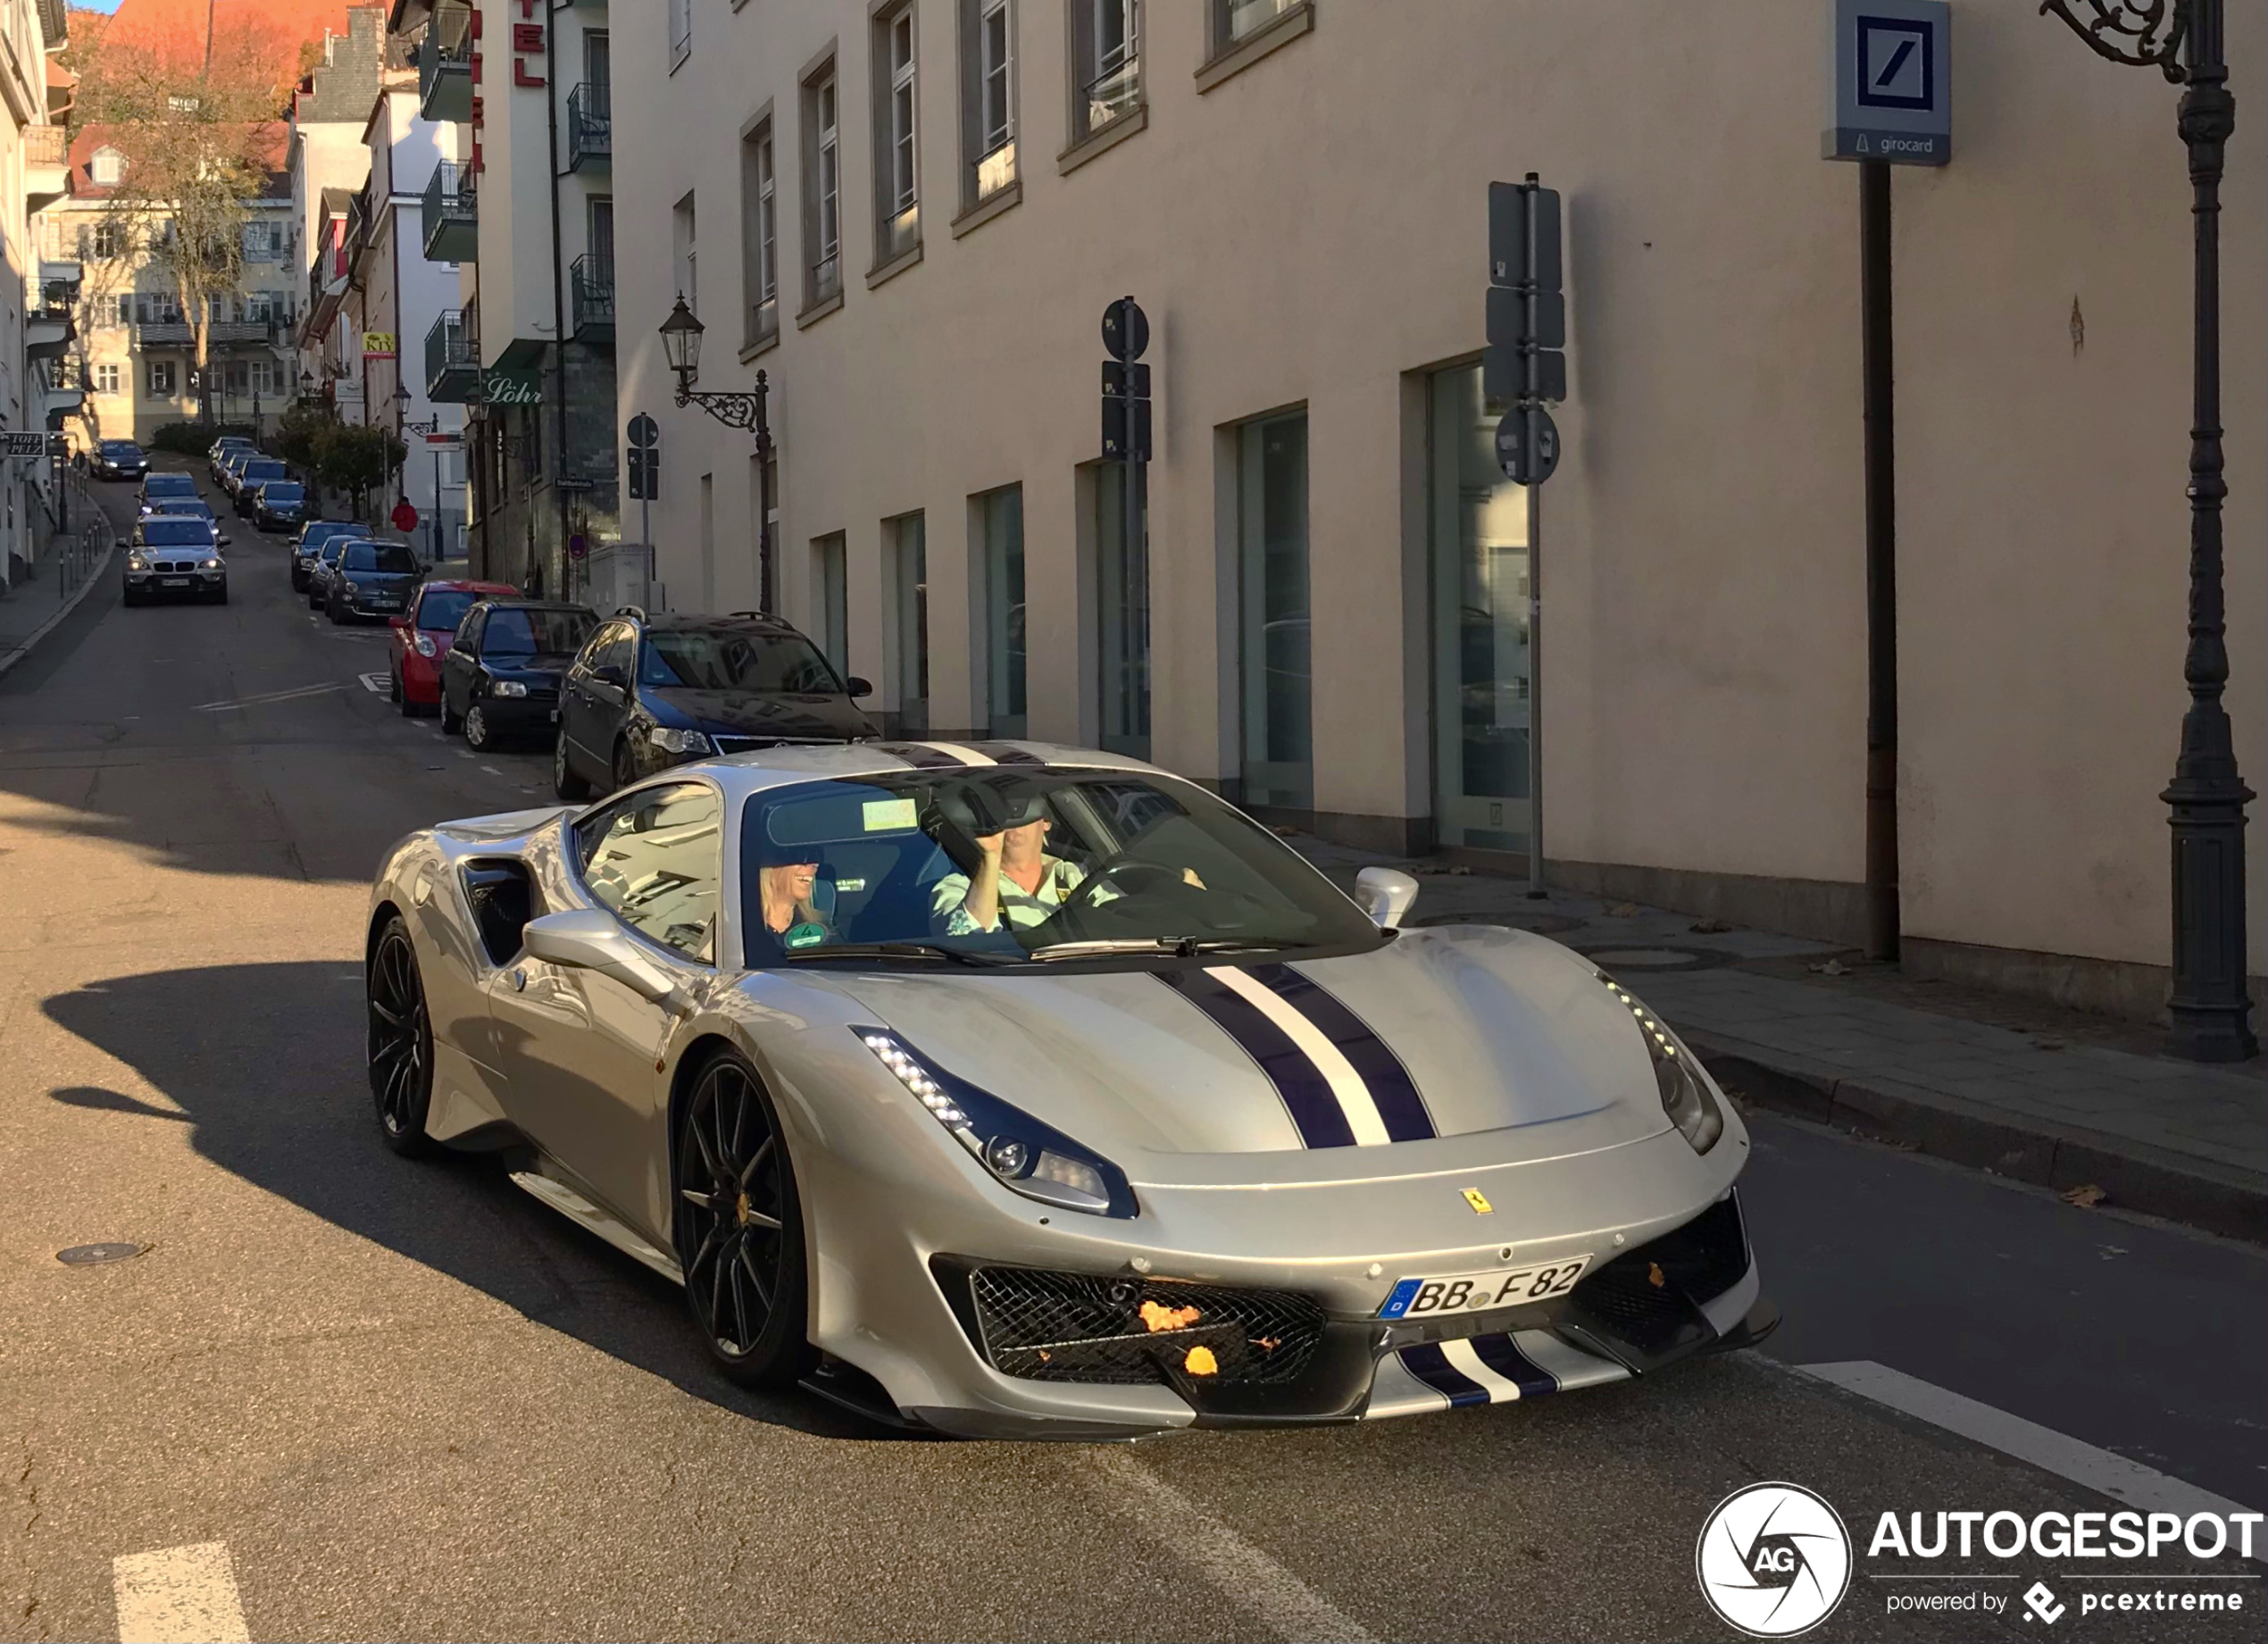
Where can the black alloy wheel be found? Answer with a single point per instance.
(739, 1229)
(401, 1041)
(571, 787)
(450, 723)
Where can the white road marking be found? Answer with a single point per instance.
(492, 771)
(179, 1594)
(1244, 1575)
(265, 698)
(374, 683)
(1345, 1084)
(464, 753)
(2044, 1447)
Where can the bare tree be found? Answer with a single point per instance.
(195, 121)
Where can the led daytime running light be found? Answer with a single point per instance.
(912, 1076)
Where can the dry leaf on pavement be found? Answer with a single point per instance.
(2086, 1196)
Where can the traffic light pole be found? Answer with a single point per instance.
(1531, 376)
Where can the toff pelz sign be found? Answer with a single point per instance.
(528, 45)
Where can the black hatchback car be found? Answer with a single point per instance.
(254, 474)
(372, 580)
(280, 505)
(501, 675)
(651, 692)
(118, 459)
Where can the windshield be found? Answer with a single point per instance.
(266, 468)
(443, 608)
(726, 659)
(331, 549)
(381, 556)
(517, 632)
(160, 531)
(1011, 867)
(283, 490)
(120, 448)
(169, 485)
(190, 505)
(320, 531)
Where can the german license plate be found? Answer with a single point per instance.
(173, 581)
(1468, 1292)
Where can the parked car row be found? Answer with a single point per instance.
(619, 697)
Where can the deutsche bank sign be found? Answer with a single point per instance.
(1890, 81)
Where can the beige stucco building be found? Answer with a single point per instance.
(912, 217)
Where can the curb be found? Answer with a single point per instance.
(2224, 1200)
(94, 573)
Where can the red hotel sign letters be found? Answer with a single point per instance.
(527, 43)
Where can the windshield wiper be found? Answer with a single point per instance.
(1178, 947)
(896, 950)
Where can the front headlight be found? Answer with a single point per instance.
(210, 564)
(671, 740)
(425, 645)
(1685, 1092)
(1024, 1154)
(135, 562)
(509, 687)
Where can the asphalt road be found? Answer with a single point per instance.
(412, 1402)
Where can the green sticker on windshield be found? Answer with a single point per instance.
(807, 936)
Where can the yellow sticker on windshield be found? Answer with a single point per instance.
(883, 814)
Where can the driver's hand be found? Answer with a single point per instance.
(990, 843)
(1189, 877)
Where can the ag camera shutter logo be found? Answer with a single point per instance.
(1773, 1560)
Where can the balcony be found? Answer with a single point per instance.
(445, 75)
(591, 288)
(46, 165)
(452, 220)
(590, 126)
(452, 360)
(56, 272)
(164, 333)
(47, 331)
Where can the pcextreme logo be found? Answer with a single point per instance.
(1773, 1560)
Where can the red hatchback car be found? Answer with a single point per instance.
(421, 637)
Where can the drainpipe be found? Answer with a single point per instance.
(558, 301)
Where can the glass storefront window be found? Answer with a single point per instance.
(1273, 646)
(1479, 529)
(1122, 607)
(910, 623)
(830, 599)
(1003, 610)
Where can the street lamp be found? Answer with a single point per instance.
(2212, 1011)
(681, 347)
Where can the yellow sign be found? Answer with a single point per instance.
(1478, 1200)
(378, 345)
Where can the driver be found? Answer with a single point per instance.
(1015, 878)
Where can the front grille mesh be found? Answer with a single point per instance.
(1077, 1327)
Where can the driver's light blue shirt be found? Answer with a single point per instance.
(1022, 908)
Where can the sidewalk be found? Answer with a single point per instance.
(2052, 1097)
(64, 576)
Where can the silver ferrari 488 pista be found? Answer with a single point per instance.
(1017, 1090)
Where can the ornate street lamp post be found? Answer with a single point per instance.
(2212, 1011)
(681, 347)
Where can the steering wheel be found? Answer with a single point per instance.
(1128, 879)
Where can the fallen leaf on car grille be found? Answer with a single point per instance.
(2086, 1196)
(1268, 1344)
(1654, 1275)
(1159, 1318)
(1201, 1362)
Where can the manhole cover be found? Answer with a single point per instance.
(90, 1255)
(1654, 958)
(1540, 924)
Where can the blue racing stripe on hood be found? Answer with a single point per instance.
(1306, 1094)
(1392, 1089)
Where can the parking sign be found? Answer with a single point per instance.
(1890, 81)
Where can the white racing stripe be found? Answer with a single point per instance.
(1246, 1576)
(1467, 1363)
(1345, 1084)
(179, 1594)
(2100, 1471)
(966, 755)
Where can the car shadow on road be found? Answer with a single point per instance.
(271, 1080)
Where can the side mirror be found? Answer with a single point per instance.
(859, 687)
(397, 621)
(1384, 894)
(590, 940)
(222, 540)
(122, 543)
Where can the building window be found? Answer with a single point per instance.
(681, 32)
(108, 169)
(1279, 767)
(161, 378)
(110, 241)
(1477, 521)
(264, 242)
(897, 214)
(988, 99)
(105, 379)
(1001, 518)
(761, 177)
(830, 599)
(822, 190)
(686, 253)
(1106, 63)
(1234, 21)
(1122, 613)
(906, 558)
